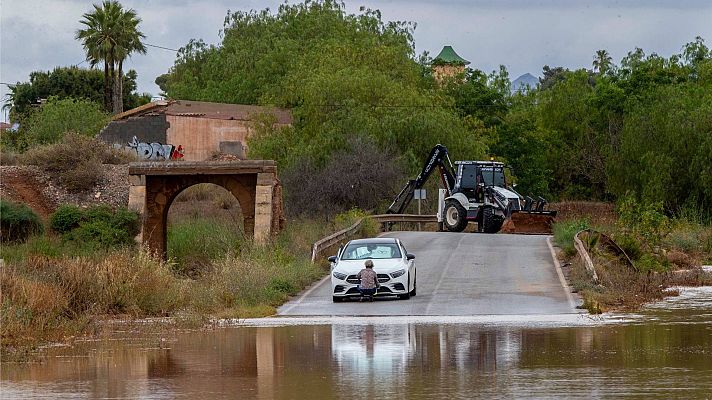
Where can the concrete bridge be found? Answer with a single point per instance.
(154, 186)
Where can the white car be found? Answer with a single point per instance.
(393, 264)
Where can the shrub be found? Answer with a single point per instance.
(7, 156)
(18, 222)
(107, 228)
(126, 220)
(565, 231)
(649, 262)
(645, 220)
(99, 213)
(98, 225)
(75, 162)
(360, 176)
(66, 218)
(685, 238)
(630, 245)
(55, 118)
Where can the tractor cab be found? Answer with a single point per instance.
(473, 176)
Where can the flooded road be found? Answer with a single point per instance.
(662, 352)
(462, 274)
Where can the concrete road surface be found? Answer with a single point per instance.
(460, 274)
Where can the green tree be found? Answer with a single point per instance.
(68, 82)
(56, 117)
(343, 75)
(551, 76)
(111, 34)
(602, 62)
(641, 130)
(479, 96)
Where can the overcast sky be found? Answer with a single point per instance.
(523, 35)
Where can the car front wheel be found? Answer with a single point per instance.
(336, 299)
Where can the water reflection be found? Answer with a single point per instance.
(392, 361)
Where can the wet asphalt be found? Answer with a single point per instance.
(460, 274)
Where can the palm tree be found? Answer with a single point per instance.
(602, 62)
(98, 40)
(128, 41)
(111, 34)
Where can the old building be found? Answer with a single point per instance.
(448, 64)
(188, 130)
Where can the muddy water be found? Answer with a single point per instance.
(663, 352)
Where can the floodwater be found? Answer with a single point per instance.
(663, 352)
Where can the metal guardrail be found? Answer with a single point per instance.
(404, 218)
(327, 242)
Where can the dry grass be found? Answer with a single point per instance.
(621, 288)
(597, 213)
(7, 156)
(45, 298)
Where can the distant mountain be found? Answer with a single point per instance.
(524, 81)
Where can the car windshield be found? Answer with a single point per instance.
(361, 251)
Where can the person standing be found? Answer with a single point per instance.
(368, 281)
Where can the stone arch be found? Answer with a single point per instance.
(154, 186)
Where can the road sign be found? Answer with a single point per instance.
(419, 194)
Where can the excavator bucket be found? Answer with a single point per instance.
(529, 222)
(532, 218)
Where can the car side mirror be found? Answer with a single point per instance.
(332, 259)
(410, 256)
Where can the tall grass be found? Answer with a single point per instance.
(254, 282)
(195, 242)
(565, 231)
(45, 298)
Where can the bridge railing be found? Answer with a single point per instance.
(384, 219)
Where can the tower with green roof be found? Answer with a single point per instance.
(448, 64)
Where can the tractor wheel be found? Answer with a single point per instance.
(455, 216)
(491, 222)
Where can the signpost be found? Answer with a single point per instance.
(419, 194)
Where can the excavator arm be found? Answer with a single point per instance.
(439, 159)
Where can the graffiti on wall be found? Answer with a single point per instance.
(155, 151)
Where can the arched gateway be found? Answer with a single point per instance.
(154, 186)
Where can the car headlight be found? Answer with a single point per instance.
(397, 273)
(339, 275)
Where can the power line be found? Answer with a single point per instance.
(159, 47)
(145, 44)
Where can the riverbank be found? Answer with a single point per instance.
(658, 255)
(54, 289)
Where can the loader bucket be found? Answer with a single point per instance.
(529, 222)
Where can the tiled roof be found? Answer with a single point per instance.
(203, 109)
